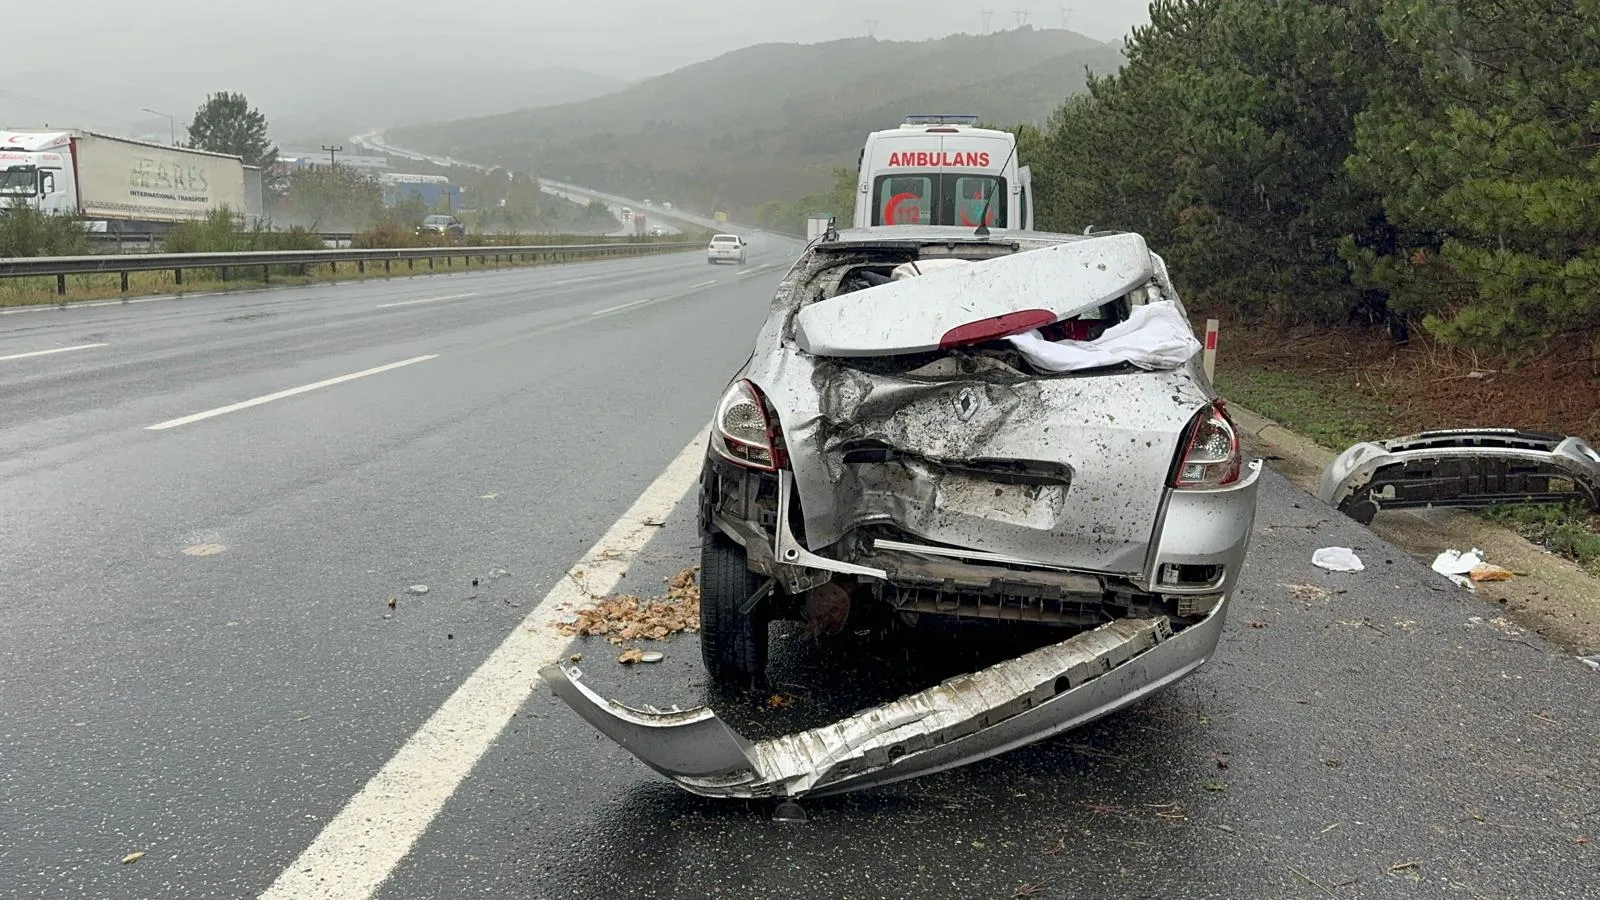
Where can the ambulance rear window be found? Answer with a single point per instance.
(939, 199)
(904, 200)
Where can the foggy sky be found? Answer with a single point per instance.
(109, 58)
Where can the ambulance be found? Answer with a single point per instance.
(943, 170)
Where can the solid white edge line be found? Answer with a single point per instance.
(358, 848)
(425, 300)
(49, 352)
(257, 401)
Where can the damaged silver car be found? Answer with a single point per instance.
(944, 424)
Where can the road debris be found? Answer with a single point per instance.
(1592, 662)
(652, 656)
(629, 657)
(1337, 559)
(1459, 566)
(133, 858)
(1490, 572)
(417, 589)
(625, 617)
(1308, 592)
(393, 602)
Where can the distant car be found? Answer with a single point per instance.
(450, 226)
(726, 248)
(655, 231)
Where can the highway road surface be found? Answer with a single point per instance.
(207, 506)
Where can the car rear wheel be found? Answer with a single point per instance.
(733, 644)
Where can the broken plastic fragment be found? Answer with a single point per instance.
(962, 720)
(1337, 559)
(418, 589)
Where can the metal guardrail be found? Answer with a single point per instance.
(265, 260)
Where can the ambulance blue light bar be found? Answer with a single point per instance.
(941, 120)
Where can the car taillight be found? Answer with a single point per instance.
(1211, 457)
(746, 432)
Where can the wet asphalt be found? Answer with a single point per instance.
(1379, 734)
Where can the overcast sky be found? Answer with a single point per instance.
(108, 58)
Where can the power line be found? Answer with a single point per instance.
(988, 18)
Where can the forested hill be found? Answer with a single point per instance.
(771, 122)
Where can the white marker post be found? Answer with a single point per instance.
(1210, 358)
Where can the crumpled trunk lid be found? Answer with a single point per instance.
(1066, 471)
(1028, 289)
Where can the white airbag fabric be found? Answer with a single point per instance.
(1155, 336)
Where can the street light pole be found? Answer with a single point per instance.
(331, 151)
(172, 124)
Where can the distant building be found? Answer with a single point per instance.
(370, 165)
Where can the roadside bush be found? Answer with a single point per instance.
(25, 231)
(219, 233)
(387, 235)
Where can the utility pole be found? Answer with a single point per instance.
(172, 124)
(872, 29)
(332, 162)
(1022, 16)
(988, 19)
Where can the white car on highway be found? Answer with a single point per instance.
(726, 248)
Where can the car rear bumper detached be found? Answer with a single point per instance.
(960, 721)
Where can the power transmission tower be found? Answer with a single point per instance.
(988, 18)
(1022, 16)
(872, 28)
(1066, 17)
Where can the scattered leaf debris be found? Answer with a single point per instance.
(1401, 866)
(780, 701)
(625, 617)
(1260, 624)
(1029, 889)
(1308, 592)
(629, 657)
(1214, 786)
(575, 658)
(393, 602)
(133, 857)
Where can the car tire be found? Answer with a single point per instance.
(733, 645)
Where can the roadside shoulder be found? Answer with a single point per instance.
(1550, 595)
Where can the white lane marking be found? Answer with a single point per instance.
(425, 300)
(246, 404)
(366, 840)
(684, 293)
(49, 352)
(612, 309)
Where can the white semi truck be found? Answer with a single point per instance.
(943, 170)
(115, 184)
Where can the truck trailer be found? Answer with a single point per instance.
(119, 185)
